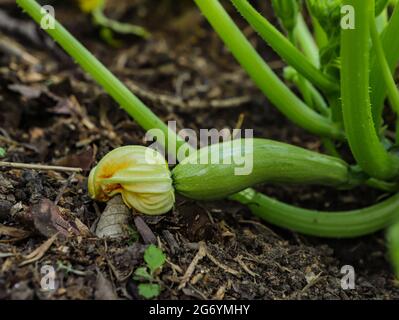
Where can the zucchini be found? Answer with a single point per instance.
(242, 163)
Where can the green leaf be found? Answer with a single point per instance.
(142, 274)
(149, 290)
(154, 257)
(2, 152)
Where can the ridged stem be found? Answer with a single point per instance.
(344, 224)
(363, 139)
(390, 44)
(270, 84)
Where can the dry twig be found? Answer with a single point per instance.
(17, 165)
(190, 270)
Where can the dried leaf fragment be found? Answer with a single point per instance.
(114, 220)
(83, 159)
(38, 253)
(145, 231)
(48, 220)
(104, 289)
(13, 232)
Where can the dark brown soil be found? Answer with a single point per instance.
(51, 112)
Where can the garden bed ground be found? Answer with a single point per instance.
(51, 112)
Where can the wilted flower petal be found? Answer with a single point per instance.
(141, 175)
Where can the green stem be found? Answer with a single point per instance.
(335, 104)
(310, 94)
(393, 93)
(319, 101)
(393, 246)
(344, 224)
(330, 147)
(305, 39)
(128, 101)
(308, 45)
(301, 82)
(364, 142)
(276, 40)
(123, 28)
(390, 44)
(383, 185)
(270, 84)
(397, 131)
(321, 37)
(382, 20)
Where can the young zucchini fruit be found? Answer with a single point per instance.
(142, 176)
(220, 170)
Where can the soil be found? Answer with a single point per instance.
(52, 113)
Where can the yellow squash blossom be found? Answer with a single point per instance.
(140, 174)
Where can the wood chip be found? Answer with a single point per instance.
(170, 239)
(83, 159)
(28, 92)
(145, 231)
(13, 232)
(104, 289)
(245, 267)
(187, 106)
(38, 253)
(190, 270)
(219, 295)
(221, 265)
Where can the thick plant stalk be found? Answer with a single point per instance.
(393, 93)
(311, 50)
(320, 36)
(301, 37)
(283, 46)
(308, 44)
(270, 84)
(381, 21)
(344, 224)
(390, 44)
(268, 209)
(393, 246)
(308, 91)
(363, 139)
